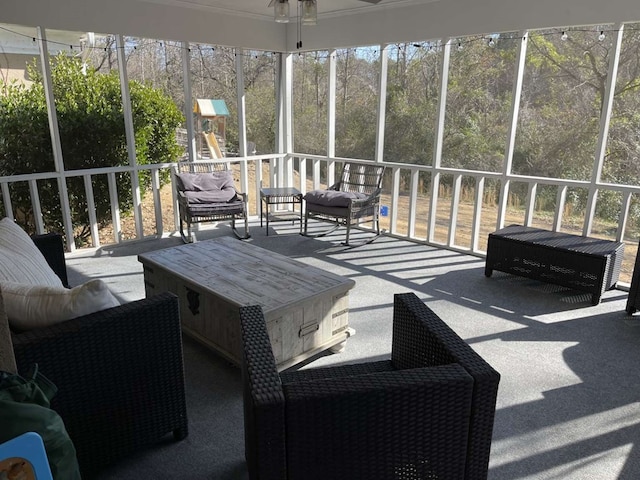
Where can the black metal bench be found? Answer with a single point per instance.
(581, 263)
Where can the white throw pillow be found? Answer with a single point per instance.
(20, 259)
(34, 306)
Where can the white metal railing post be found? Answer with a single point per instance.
(395, 188)
(453, 213)
(511, 138)
(115, 206)
(477, 214)
(561, 199)
(91, 208)
(605, 118)
(413, 203)
(531, 203)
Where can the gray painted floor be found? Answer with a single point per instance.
(569, 397)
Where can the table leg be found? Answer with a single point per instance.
(261, 200)
(267, 206)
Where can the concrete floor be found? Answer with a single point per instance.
(569, 397)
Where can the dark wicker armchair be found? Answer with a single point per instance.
(206, 193)
(119, 373)
(354, 199)
(426, 413)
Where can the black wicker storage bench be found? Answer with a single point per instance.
(581, 263)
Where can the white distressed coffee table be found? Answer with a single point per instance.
(306, 308)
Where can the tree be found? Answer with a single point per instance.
(92, 135)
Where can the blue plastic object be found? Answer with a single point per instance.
(26, 455)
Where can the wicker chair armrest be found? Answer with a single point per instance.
(421, 338)
(119, 374)
(407, 416)
(264, 411)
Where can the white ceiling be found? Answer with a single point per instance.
(249, 24)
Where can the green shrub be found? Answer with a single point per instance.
(92, 135)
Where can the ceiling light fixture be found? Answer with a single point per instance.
(281, 11)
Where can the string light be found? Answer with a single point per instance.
(491, 42)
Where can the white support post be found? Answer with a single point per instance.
(130, 135)
(188, 101)
(285, 169)
(438, 140)
(55, 140)
(331, 105)
(382, 106)
(605, 119)
(511, 138)
(242, 121)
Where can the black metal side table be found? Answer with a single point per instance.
(280, 196)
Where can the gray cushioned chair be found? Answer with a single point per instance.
(354, 199)
(206, 193)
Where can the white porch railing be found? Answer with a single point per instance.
(418, 206)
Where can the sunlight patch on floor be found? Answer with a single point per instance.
(566, 442)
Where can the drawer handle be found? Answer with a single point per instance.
(193, 299)
(308, 329)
